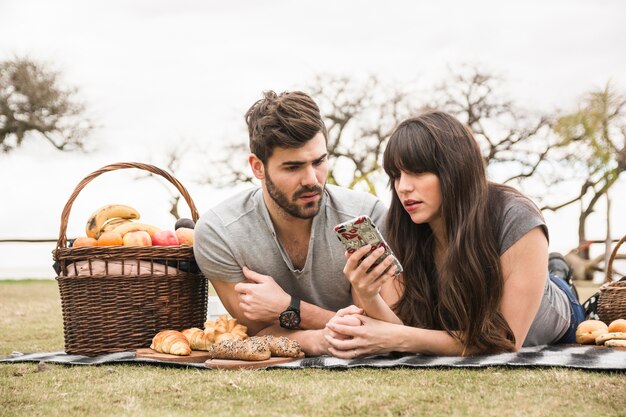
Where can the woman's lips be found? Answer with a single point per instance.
(411, 205)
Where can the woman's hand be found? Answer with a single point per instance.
(347, 339)
(366, 285)
(346, 316)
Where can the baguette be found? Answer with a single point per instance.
(172, 342)
(251, 349)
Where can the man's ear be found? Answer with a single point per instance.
(258, 169)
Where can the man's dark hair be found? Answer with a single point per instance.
(288, 120)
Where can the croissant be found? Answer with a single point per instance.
(251, 349)
(198, 339)
(172, 342)
(222, 326)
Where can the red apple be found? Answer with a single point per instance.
(165, 238)
(138, 238)
(185, 236)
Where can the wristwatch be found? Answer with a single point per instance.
(290, 318)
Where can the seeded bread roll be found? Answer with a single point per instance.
(283, 346)
(251, 349)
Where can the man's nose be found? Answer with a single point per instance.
(309, 176)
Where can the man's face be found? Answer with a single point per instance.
(295, 177)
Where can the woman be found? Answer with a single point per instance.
(474, 253)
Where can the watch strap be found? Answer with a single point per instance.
(294, 305)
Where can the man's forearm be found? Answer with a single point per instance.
(313, 317)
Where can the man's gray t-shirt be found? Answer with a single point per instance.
(554, 315)
(239, 232)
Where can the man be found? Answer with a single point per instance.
(271, 252)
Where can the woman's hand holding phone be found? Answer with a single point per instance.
(365, 277)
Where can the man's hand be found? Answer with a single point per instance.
(260, 298)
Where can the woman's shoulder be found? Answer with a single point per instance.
(519, 216)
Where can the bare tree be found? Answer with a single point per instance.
(359, 115)
(34, 103)
(173, 160)
(510, 137)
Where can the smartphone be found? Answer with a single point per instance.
(362, 231)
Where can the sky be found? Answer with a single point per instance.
(162, 73)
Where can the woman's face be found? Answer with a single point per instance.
(420, 195)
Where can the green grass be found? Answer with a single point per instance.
(30, 320)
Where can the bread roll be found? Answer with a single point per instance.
(618, 325)
(600, 340)
(589, 330)
(283, 347)
(172, 342)
(615, 343)
(251, 349)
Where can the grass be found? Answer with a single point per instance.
(30, 320)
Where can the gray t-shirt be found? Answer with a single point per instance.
(554, 315)
(239, 232)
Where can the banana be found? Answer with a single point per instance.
(134, 227)
(113, 223)
(99, 217)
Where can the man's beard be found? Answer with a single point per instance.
(309, 210)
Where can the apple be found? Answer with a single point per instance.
(183, 222)
(185, 236)
(138, 238)
(165, 238)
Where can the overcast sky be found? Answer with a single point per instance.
(159, 72)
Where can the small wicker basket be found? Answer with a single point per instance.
(107, 313)
(612, 299)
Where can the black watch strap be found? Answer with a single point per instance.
(295, 304)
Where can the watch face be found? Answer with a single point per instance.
(290, 319)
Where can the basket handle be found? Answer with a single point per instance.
(112, 167)
(609, 269)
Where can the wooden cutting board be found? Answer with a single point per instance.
(197, 356)
(237, 364)
(200, 356)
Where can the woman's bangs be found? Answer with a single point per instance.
(409, 152)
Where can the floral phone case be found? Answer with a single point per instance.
(362, 231)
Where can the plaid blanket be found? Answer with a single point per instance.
(567, 356)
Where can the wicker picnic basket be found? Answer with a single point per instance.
(612, 299)
(104, 313)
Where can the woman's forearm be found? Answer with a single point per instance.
(377, 308)
(425, 341)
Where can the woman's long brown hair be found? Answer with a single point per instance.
(463, 296)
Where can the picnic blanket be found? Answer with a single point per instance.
(567, 356)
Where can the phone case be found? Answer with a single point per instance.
(362, 231)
